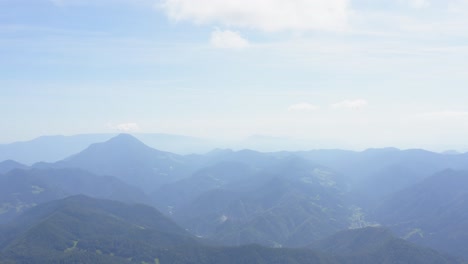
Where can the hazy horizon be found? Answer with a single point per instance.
(262, 143)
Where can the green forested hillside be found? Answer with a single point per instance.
(377, 245)
(82, 226)
(80, 229)
(433, 212)
(23, 189)
(291, 202)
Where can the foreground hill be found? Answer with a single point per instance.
(377, 245)
(80, 229)
(433, 212)
(23, 189)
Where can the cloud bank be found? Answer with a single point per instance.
(264, 15)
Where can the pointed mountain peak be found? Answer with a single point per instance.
(124, 138)
(122, 141)
(122, 146)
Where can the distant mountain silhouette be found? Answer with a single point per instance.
(380, 172)
(55, 148)
(129, 159)
(49, 148)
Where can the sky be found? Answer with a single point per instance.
(347, 73)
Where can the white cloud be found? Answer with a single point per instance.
(351, 104)
(265, 15)
(227, 39)
(302, 107)
(125, 127)
(418, 3)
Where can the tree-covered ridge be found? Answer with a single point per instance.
(377, 245)
(80, 229)
(24, 189)
(432, 212)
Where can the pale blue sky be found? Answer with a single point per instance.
(360, 72)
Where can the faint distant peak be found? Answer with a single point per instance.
(218, 151)
(381, 150)
(121, 142)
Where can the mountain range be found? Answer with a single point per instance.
(55, 148)
(281, 199)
